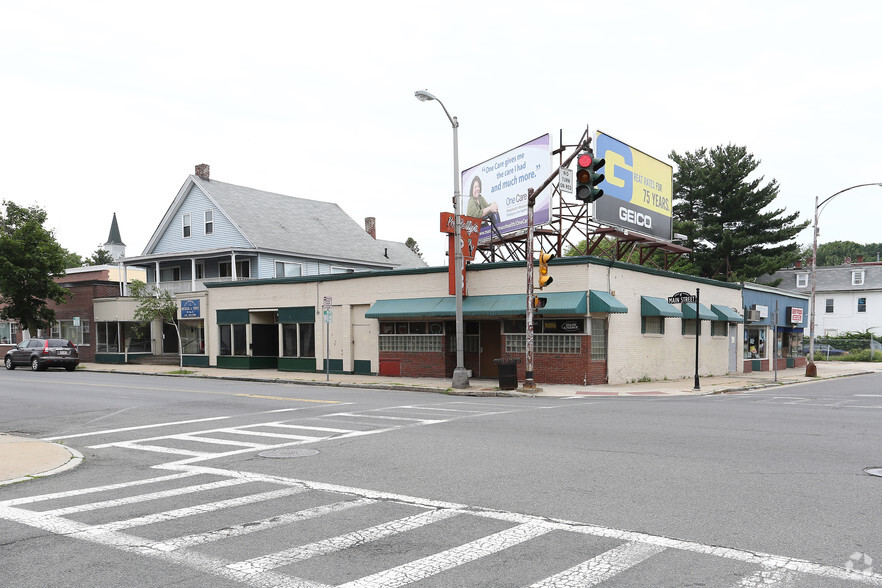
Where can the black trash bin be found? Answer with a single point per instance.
(508, 373)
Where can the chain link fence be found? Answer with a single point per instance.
(845, 349)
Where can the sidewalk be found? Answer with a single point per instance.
(24, 459)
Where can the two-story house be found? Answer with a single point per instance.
(217, 232)
(849, 296)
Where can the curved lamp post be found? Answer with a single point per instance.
(811, 370)
(460, 375)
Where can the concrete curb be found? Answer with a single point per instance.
(76, 458)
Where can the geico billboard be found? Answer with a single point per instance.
(637, 189)
(496, 190)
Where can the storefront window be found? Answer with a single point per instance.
(135, 340)
(719, 328)
(653, 325)
(233, 340)
(298, 340)
(68, 329)
(755, 343)
(193, 337)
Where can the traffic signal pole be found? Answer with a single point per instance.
(529, 382)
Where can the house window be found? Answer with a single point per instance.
(186, 224)
(653, 325)
(691, 326)
(829, 308)
(857, 278)
(802, 280)
(719, 328)
(209, 222)
(298, 340)
(243, 269)
(862, 305)
(232, 340)
(200, 270)
(285, 269)
(341, 270)
(412, 336)
(170, 274)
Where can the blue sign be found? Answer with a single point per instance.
(189, 308)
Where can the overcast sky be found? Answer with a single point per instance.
(107, 107)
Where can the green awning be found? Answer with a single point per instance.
(724, 313)
(438, 306)
(557, 303)
(703, 312)
(652, 306)
(600, 301)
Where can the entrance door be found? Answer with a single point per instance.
(733, 348)
(169, 338)
(491, 348)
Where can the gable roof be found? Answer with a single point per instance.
(279, 223)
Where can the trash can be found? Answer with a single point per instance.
(508, 373)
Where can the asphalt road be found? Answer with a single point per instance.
(207, 482)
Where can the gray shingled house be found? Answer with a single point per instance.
(215, 232)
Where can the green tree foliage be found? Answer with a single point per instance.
(155, 305)
(715, 187)
(606, 248)
(836, 252)
(412, 245)
(30, 258)
(100, 257)
(72, 259)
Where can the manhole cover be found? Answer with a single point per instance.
(877, 471)
(288, 453)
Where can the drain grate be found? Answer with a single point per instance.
(285, 452)
(875, 471)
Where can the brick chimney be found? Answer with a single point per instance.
(798, 264)
(860, 259)
(370, 225)
(202, 171)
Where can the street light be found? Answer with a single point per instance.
(460, 375)
(811, 370)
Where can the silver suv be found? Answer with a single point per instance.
(43, 353)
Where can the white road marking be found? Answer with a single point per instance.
(439, 562)
(769, 578)
(602, 567)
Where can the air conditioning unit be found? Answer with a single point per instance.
(752, 316)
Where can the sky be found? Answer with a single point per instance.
(106, 107)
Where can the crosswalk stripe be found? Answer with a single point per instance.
(333, 544)
(769, 578)
(180, 513)
(145, 497)
(601, 568)
(439, 562)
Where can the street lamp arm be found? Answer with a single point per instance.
(829, 198)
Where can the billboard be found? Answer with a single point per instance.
(496, 190)
(638, 190)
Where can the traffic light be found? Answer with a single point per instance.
(539, 302)
(544, 278)
(588, 176)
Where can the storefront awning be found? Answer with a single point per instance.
(557, 303)
(704, 312)
(600, 301)
(652, 306)
(724, 313)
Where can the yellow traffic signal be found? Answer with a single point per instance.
(539, 302)
(544, 278)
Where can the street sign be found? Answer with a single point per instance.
(681, 297)
(327, 302)
(328, 315)
(566, 180)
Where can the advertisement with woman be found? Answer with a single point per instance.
(496, 189)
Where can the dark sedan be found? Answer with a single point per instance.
(43, 353)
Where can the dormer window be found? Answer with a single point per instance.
(802, 280)
(186, 223)
(857, 278)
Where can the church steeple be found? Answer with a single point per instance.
(114, 244)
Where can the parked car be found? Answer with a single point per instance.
(43, 353)
(822, 348)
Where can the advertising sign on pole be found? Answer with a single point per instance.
(637, 190)
(496, 190)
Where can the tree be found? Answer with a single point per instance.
(412, 245)
(155, 305)
(100, 257)
(836, 252)
(72, 259)
(727, 216)
(30, 258)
